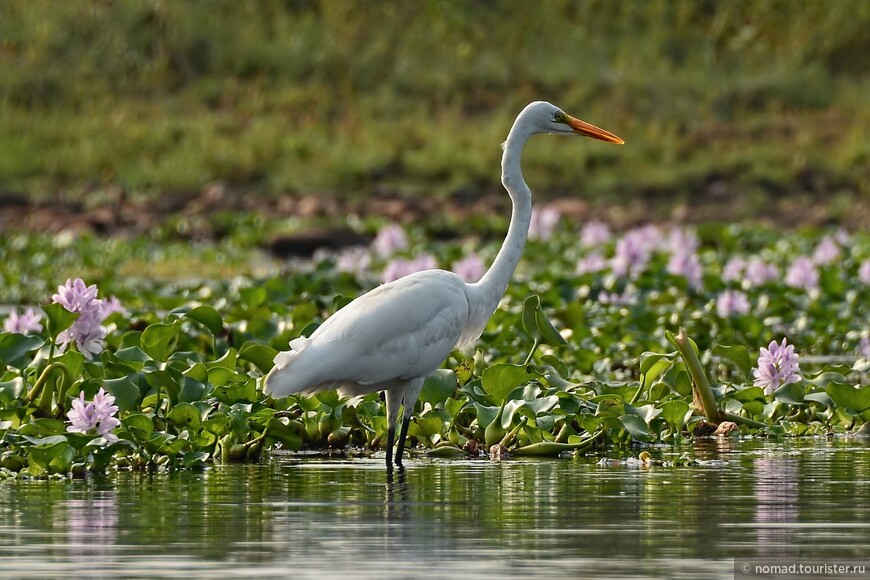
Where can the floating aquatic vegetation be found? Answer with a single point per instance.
(579, 354)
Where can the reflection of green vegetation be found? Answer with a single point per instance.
(339, 96)
(552, 518)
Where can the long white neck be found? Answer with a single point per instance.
(488, 291)
(495, 281)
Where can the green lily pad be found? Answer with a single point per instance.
(429, 424)
(845, 395)
(438, 387)
(652, 365)
(253, 296)
(11, 390)
(530, 325)
(736, 354)
(52, 455)
(791, 393)
(185, 415)
(261, 355)
(454, 406)
(676, 413)
(208, 317)
(160, 339)
(485, 414)
(236, 392)
(286, 431)
(227, 361)
(499, 380)
(125, 391)
(748, 394)
(57, 319)
(141, 425)
(14, 346)
(537, 325)
(754, 407)
(217, 423)
(191, 390)
(132, 354)
(636, 427)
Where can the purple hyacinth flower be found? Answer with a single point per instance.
(355, 260)
(75, 296)
(627, 298)
(731, 302)
(759, 272)
(826, 252)
(682, 240)
(96, 417)
(111, 306)
(87, 331)
(733, 269)
(399, 268)
(687, 265)
(594, 262)
(802, 274)
(864, 272)
(25, 323)
(390, 240)
(469, 268)
(633, 250)
(777, 366)
(595, 233)
(544, 221)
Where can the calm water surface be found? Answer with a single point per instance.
(543, 518)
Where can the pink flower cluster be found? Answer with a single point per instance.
(777, 366)
(755, 271)
(96, 417)
(469, 268)
(87, 332)
(731, 302)
(634, 250)
(544, 222)
(23, 323)
(400, 268)
(390, 239)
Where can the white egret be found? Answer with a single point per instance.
(394, 336)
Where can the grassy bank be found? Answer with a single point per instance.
(752, 99)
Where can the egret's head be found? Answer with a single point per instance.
(548, 118)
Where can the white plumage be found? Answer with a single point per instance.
(394, 336)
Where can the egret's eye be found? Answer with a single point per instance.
(559, 117)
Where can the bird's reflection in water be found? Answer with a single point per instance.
(396, 508)
(397, 489)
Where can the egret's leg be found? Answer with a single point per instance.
(394, 399)
(391, 434)
(402, 434)
(411, 393)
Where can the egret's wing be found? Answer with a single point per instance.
(400, 330)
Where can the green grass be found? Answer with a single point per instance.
(341, 98)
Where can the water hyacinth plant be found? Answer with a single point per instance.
(777, 366)
(26, 323)
(732, 302)
(96, 417)
(578, 356)
(544, 221)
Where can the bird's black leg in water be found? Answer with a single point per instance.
(402, 434)
(391, 436)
